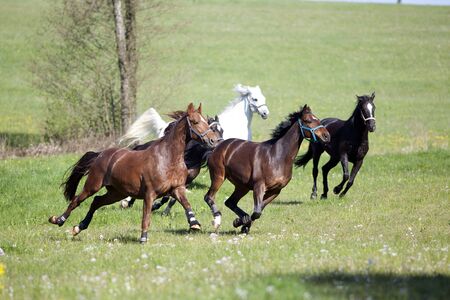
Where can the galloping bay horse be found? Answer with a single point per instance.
(349, 143)
(195, 155)
(148, 174)
(265, 168)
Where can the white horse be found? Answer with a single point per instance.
(235, 121)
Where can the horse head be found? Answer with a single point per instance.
(310, 126)
(199, 128)
(215, 126)
(367, 108)
(255, 99)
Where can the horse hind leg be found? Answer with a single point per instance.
(93, 184)
(325, 170)
(243, 218)
(110, 197)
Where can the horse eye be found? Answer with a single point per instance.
(254, 99)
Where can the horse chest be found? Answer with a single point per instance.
(356, 151)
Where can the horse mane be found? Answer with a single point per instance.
(358, 106)
(176, 115)
(284, 126)
(239, 89)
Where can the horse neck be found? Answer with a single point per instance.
(177, 138)
(236, 120)
(358, 124)
(286, 147)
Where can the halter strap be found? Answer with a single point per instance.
(303, 127)
(249, 104)
(200, 135)
(366, 119)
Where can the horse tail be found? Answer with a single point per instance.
(301, 161)
(78, 171)
(149, 123)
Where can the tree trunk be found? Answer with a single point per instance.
(132, 55)
(125, 95)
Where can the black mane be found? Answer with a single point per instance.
(284, 126)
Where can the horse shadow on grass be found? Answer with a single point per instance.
(353, 285)
(286, 203)
(179, 231)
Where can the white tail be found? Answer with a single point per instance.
(149, 123)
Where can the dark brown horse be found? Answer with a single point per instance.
(265, 168)
(349, 143)
(157, 171)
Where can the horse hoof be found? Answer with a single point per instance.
(313, 196)
(323, 197)
(237, 222)
(143, 240)
(245, 229)
(341, 195)
(195, 227)
(76, 230)
(337, 190)
(53, 220)
(124, 204)
(255, 216)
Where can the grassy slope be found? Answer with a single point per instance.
(316, 53)
(389, 236)
(21, 108)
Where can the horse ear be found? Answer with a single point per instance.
(200, 108)
(216, 118)
(242, 90)
(190, 108)
(373, 96)
(358, 98)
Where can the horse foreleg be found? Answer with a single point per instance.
(356, 166)
(180, 194)
(110, 197)
(345, 176)
(258, 196)
(146, 215)
(216, 182)
(315, 173)
(325, 169)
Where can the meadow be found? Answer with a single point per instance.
(388, 238)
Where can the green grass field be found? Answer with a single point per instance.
(388, 238)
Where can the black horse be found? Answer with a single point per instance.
(349, 142)
(195, 156)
